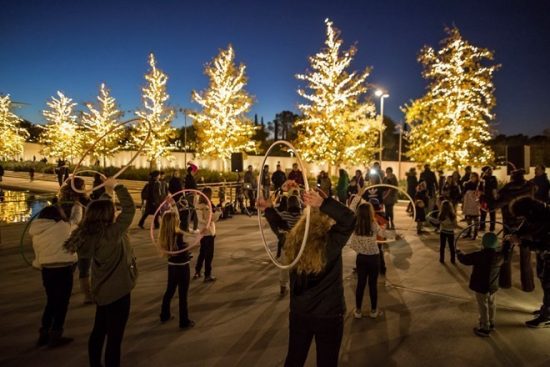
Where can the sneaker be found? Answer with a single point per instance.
(43, 338)
(209, 278)
(188, 325)
(197, 276)
(374, 314)
(357, 314)
(58, 340)
(481, 332)
(539, 322)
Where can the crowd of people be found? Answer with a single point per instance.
(84, 232)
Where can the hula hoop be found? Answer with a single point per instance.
(504, 226)
(306, 209)
(21, 249)
(167, 201)
(124, 168)
(403, 192)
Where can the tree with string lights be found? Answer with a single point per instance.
(99, 120)
(450, 123)
(62, 137)
(13, 135)
(338, 124)
(157, 114)
(222, 125)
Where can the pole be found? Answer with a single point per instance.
(381, 127)
(185, 138)
(399, 158)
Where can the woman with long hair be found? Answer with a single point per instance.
(103, 238)
(171, 239)
(363, 241)
(317, 303)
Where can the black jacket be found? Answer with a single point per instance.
(431, 181)
(321, 295)
(278, 178)
(543, 188)
(190, 182)
(182, 257)
(487, 263)
(412, 182)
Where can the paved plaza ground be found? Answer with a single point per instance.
(241, 320)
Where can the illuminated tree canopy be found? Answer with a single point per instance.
(12, 134)
(337, 126)
(62, 136)
(100, 119)
(157, 113)
(450, 123)
(222, 126)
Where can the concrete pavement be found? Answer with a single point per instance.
(240, 319)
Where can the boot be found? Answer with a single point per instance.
(85, 288)
(43, 337)
(57, 339)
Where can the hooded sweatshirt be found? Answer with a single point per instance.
(48, 237)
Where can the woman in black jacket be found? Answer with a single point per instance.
(317, 304)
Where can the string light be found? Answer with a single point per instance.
(101, 119)
(157, 113)
(13, 135)
(336, 126)
(450, 123)
(62, 137)
(222, 125)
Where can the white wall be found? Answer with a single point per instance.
(122, 157)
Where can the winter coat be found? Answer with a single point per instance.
(278, 178)
(342, 186)
(390, 195)
(114, 269)
(509, 192)
(543, 188)
(535, 234)
(322, 294)
(487, 263)
(250, 179)
(431, 181)
(48, 237)
(412, 182)
(297, 177)
(471, 205)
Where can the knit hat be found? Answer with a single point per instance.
(489, 240)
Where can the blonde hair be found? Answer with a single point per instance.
(169, 227)
(314, 257)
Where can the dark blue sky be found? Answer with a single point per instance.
(73, 46)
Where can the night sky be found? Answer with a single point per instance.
(73, 46)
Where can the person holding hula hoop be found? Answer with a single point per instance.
(317, 303)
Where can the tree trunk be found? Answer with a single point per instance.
(153, 164)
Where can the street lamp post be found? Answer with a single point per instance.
(380, 94)
(400, 127)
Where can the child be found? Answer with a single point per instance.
(206, 253)
(104, 239)
(447, 224)
(171, 239)
(484, 280)
(470, 206)
(49, 231)
(363, 241)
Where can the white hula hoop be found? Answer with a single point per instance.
(306, 209)
(169, 200)
(403, 192)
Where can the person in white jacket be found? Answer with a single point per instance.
(206, 253)
(48, 232)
